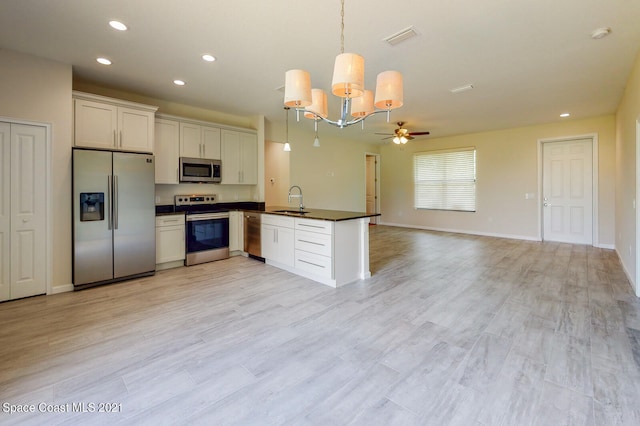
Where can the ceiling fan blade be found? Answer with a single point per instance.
(388, 137)
(383, 133)
(418, 133)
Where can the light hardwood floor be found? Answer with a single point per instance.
(451, 329)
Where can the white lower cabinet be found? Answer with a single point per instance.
(330, 252)
(236, 232)
(170, 244)
(314, 247)
(277, 239)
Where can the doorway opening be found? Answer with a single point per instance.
(372, 185)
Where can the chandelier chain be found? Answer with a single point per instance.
(342, 27)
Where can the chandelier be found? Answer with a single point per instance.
(348, 84)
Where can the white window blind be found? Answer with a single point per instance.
(445, 180)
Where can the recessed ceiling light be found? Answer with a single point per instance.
(103, 61)
(599, 33)
(117, 25)
(565, 115)
(208, 58)
(179, 82)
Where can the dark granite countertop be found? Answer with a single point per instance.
(310, 213)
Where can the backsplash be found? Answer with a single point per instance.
(226, 193)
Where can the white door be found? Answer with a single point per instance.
(371, 182)
(567, 191)
(26, 205)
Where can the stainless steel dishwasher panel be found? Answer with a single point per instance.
(252, 233)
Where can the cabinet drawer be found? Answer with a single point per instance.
(321, 226)
(170, 220)
(276, 220)
(314, 242)
(314, 263)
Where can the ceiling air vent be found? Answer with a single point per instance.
(401, 36)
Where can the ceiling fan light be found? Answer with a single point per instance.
(403, 140)
(389, 90)
(348, 75)
(363, 105)
(396, 140)
(297, 88)
(318, 104)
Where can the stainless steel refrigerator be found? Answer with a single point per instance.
(113, 216)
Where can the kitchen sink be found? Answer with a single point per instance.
(290, 211)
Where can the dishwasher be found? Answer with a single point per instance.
(252, 242)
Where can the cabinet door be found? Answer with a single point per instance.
(230, 157)
(95, 124)
(268, 243)
(135, 130)
(190, 143)
(210, 142)
(234, 225)
(167, 151)
(286, 246)
(170, 244)
(248, 158)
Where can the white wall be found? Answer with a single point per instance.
(507, 168)
(626, 184)
(39, 90)
(276, 175)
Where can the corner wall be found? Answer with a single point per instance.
(39, 90)
(626, 180)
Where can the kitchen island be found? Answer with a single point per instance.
(327, 246)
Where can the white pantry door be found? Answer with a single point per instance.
(24, 204)
(567, 191)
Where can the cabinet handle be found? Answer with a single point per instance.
(311, 263)
(204, 151)
(120, 138)
(115, 141)
(311, 242)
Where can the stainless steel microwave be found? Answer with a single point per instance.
(200, 170)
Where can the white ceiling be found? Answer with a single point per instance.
(528, 61)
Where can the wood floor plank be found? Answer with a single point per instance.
(451, 329)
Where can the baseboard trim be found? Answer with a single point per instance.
(458, 231)
(64, 288)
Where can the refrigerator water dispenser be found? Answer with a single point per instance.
(91, 206)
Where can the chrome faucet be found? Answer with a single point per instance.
(296, 196)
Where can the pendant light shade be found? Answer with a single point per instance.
(297, 88)
(318, 104)
(362, 106)
(348, 75)
(389, 90)
(357, 104)
(287, 147)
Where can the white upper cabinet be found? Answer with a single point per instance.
(239, 158)
(198, 141)
(107, 123)
(167, 150)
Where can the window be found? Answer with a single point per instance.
(445, 180)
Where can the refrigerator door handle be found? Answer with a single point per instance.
(109, 200)
(115, 202)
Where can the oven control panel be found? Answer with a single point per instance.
(195, 199)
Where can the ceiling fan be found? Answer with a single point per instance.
(402, 135)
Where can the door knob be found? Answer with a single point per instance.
(547, 204)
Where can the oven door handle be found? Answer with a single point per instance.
(206, 216)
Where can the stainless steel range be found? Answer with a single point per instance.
(207, 228)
